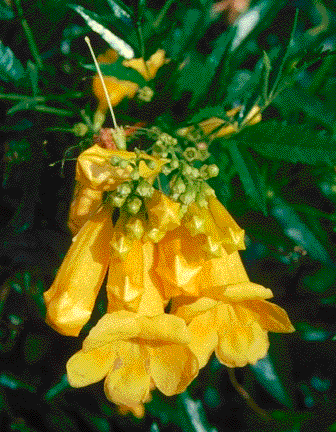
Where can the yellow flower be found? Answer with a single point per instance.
(95, 174)
(71, 297)
(119, 89)
(235, 327)
(134, 354)
(209, 126)
(127, 248)
(206, 244)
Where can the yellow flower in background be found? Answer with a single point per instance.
(135, 353)
(212, 126)
(235, 327)
(119, 89)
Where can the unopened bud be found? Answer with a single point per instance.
(123, 163)
(80, 129)
(135, 174)
(124, 189)
(213, 170)
(151, 164)
(187, 169)
(118, 200)
(145, 189)
(134, 205)
(115, 160)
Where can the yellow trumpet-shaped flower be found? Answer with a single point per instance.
(191, 257)
(135, 353)
(71, 297)
(235, 327)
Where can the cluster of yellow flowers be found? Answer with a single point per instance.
(176, 287)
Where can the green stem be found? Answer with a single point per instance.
(29, 36)
(156, 24)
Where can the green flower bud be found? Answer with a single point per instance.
(166, 170)
(118, 200)
(115, 160)
(135, 174)
(134, 205)
(174, 164)
(189, 195)
(80, 129)
(194, 173)
(187, 170)
(151, 164)
(123, 163)
(190, 154)
(179, 186)
(145, 189)
(124, 189)
(213, 170)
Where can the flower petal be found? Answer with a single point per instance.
(165, 328)
(85, 203)
(146, 300)
(121, 325)
(204, 336)
(271, 316)
(181, 263)
(128, 383)
(85, 368)
(172, 367)
(241, 338)
(71, 298)
(226, 270)
(245, 291)
(188, 308)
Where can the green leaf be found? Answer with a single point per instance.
(274, 372)
(120, 72)
(298, 231)
(249, 175)
(6, 12)
(98, 25)
(291, 143)
(33, 73)
(11, 68)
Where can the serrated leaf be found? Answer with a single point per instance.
(291, 143)
(11, 68)
(120, 72)
(208, 112)
(249, 175)
(93, 21)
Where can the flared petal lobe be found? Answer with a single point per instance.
(71, 297)
(236, 330)
(135, 353)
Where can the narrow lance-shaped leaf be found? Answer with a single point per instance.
(291, 143)
(249, 175)
(298, 231)
(114, 41)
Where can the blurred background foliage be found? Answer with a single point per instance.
(276, 177)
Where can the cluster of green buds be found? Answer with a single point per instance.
(130, 194)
